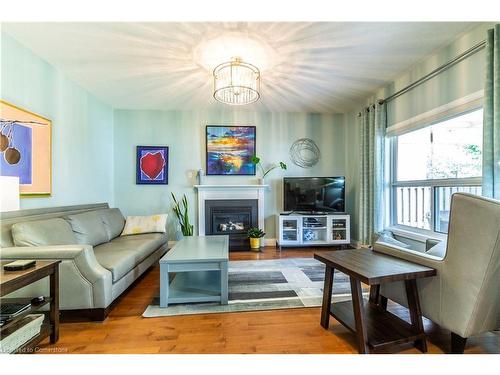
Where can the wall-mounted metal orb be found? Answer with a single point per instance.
(305, 153)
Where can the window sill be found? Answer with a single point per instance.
(417, 235)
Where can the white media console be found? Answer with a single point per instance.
(313, 230)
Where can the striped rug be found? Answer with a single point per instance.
(266, 285)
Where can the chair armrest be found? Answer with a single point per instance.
(79, 268)
(409, 255)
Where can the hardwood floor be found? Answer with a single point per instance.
(278, 331)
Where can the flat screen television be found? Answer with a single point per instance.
(314, 194)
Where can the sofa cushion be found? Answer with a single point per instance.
(88, 227)
(122, 254)
(43, 232)
(113, 222)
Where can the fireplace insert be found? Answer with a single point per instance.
(232, 217)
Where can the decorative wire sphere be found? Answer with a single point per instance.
(305, 153)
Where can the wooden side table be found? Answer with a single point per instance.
(11, 281)
(374, 326)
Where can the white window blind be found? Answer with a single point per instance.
(465, 104)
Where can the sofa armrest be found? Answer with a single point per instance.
(79, 270)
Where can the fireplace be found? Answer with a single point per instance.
(232, 217)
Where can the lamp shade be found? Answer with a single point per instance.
(236, 82)
(9, 193)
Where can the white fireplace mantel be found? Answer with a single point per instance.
(225, 187)
(209, 192)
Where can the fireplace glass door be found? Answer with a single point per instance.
(233, 218)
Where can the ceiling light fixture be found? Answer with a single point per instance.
(236, 82)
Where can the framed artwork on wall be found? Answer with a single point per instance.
(26, 149)
(230, 150)
(152, 165)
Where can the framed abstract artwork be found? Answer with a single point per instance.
(152, 165)
(26, 149)
(230, 150)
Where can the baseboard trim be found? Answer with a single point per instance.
(267, 242)
(270, 242)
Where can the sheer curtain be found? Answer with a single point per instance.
(371, 198)
(491, 121)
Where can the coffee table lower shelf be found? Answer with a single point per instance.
(195, 286)
(382, 327)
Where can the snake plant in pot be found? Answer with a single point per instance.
(255, 234)
(181, 211)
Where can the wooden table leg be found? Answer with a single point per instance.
(357, 304)
(374, 294)
(327, 297)
(54, 305)
(415, 312)
(383, 302)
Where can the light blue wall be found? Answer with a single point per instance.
(82, 126)
(460, 80)
(184, 133)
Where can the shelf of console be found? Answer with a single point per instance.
(297, 231)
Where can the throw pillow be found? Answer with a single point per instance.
(388, 238)
(145, 224)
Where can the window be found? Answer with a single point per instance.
(432, 163)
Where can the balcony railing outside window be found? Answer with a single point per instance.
(443, 202)
(429, 165)
(414, 205)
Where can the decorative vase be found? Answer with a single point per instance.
(255, 244)
(201, 177)
(309, 235)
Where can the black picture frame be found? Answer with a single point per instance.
(209, 171)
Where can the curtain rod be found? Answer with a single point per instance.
(435, 72)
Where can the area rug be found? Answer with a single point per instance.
(266, 285)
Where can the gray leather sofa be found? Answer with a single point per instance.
(464, 297)
(98, 264)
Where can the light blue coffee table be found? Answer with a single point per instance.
(200, 267)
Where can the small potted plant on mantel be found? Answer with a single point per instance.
(255, 234)
(256, 160)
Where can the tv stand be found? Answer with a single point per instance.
(302, 230)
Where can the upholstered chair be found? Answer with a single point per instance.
(464, 297)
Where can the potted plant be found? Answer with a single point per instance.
(256, 160)
(181, 211)
(255, 234)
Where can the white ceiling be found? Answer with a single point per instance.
(306, 67)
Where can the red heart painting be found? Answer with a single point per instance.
(152, 164)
